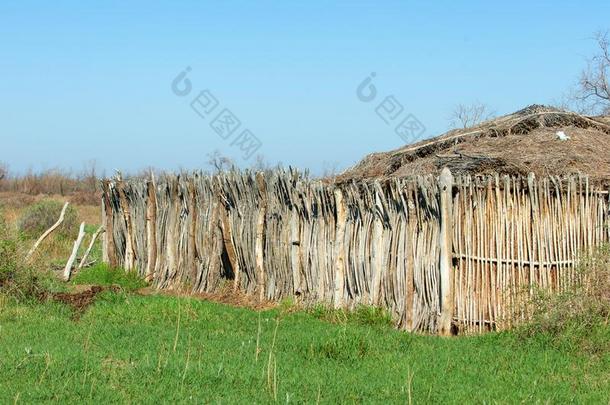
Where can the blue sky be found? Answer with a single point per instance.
(84, 80)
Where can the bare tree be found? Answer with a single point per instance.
(465, 116)
(219, 162)
(3, 170)
(593, 88)
(90, 176)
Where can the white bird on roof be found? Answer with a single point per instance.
(562, 136)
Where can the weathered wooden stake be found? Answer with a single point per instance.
(79, 240)
(295, 257)
(227, 238)
(410, 256)
(151, 228)
(130, 250)
(446, 252)
(88, 251)
(193, 256)
(339, 248)
(377, 248)
(48, 231)
(109, 250)
(260, 236)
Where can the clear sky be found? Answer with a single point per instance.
(93, 80)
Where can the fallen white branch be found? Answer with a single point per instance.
(79, 240)
(90, 263)
(86, 255)
(48, 232)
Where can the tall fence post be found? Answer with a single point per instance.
(410, 256)
(446, 248)
(108, 245)
(259, 247)
(339, 248)
(193, 254)
(227, 236)
(377, 250)
(151, 229)
(130, 250)
(295, 258)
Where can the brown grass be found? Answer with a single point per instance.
(54, 250)
(13, 205)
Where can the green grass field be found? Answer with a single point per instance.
(151, 349)
(136, 348)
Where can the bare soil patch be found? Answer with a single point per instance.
(80, 299)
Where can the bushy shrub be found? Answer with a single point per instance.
(8, 254)
(578, 317)
(39, 217)
(19, 279)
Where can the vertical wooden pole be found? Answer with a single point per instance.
(446, 260)
(91, 244)
(411, 252)
(227, 238)
(339, 248)
(260, 235)
(377, 248)
(105, 258)
(295, 257)
(129, 236)
(108, 245)
(151, 229)
(77, 243)
(193, 254)
(173, 223)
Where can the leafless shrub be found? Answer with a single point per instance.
(3, 170)
(219, 162)
(465, 116)
(90, 176)
(593, 90)
(52, 181)
(81, 187)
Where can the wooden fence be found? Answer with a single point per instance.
(438, 253)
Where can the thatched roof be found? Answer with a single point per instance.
(515, 144)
